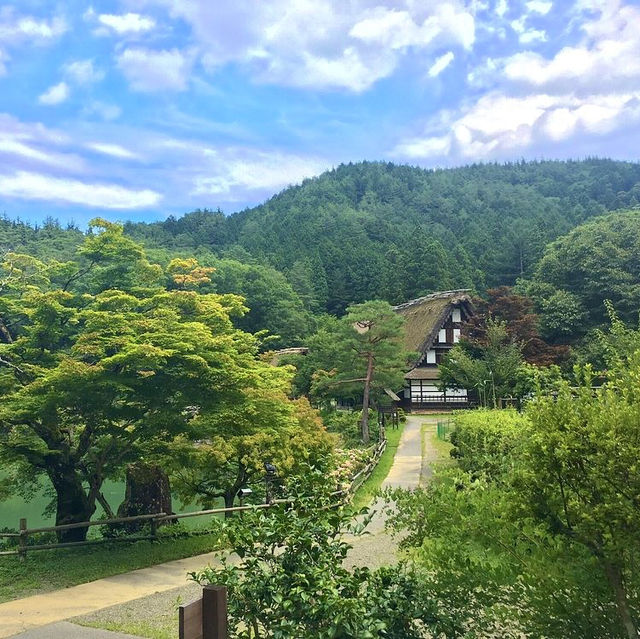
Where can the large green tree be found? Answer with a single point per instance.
(365, 353)
(595, 262)
(93, 377)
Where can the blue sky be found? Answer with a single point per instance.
(140, 109)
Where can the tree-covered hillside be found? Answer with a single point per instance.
(377, 230)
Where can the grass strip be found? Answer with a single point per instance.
(48, 570)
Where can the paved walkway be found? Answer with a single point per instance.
(377, 547)
(47, 608)
(40, 616)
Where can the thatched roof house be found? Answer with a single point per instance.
(432, 327)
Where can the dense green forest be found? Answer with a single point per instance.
(377, 230)
(380, 231)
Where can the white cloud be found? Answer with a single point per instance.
(56, 94)
(540, 6)
(428, 147)
(126, 23)
(233, 170)
(35, 186)
(497, 125)
(114, 150)
(17, 28)
(532, 35)
(502, 7)
(441, 64)
(149, 70)
(608, 59)
(83, 72)
(16, 147)
(322, 45)
(397, 29)
(20, 30)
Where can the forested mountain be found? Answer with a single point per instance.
(380, 231)
(377, 230)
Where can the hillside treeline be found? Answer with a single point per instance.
(377, 230)
(380, 231)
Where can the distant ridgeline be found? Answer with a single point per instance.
(375, 230)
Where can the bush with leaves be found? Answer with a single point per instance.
(291, 581)
(540, 522)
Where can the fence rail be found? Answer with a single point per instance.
(444, 429)
(157, 518)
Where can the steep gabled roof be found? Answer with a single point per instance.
(425, 316)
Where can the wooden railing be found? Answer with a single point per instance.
(157, 518)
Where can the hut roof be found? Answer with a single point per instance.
(431, 373)
(425, 316)
(276, 356)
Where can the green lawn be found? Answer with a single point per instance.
(47, 570)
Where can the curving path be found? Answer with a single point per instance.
(152, 591)
(378, 547)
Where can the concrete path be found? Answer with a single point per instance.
(39, 610)
(407, 464)
(377, 547)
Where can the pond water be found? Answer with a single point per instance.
(11, 510)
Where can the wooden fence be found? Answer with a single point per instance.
(158, 518)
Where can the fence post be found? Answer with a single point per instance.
(22, 540)
(154, 528)
(214, 612)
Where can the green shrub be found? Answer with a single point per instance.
(483, 440)
(346, 424)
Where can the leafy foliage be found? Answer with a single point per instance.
(102, 365)
(291, 580)
(595, 262)
(490, 366)
(540, 519)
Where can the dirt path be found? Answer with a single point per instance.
(150, 594)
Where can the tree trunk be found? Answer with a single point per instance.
(147, 492)
(5, 335)
(614, 576)
(365, 400)
(229, 498)
(72, 504)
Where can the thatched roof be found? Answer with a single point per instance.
(425, 316)
(432, 373)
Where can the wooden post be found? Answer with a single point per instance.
(154, 528)
(205, 618)
(22, 540)
(214, 612)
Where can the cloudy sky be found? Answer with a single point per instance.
(137, 109)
